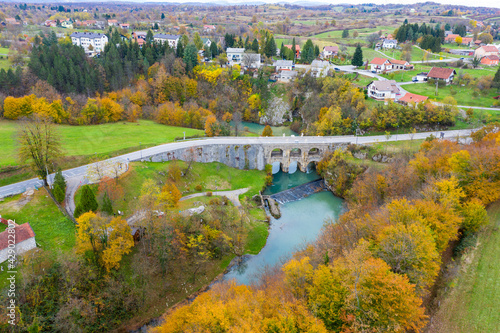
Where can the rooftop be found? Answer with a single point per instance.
(87, 35)
(23, 232)
(440, 73)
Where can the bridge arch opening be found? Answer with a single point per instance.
(311, 167)
(276, 167)
(277, 152)
(294, 167)
(313, 152)
(295, 152)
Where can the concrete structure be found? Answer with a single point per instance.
(486, 50)
(86, 39)
(24, 239)
(383, 90)
(254, 156)
(234, 55)
(172, 40)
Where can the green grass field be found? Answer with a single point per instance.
(463, 95)
(4, 63)
(54, 232)
(473, 305)
(101, 139)
(4, 50)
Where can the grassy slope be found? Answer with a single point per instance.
(100, 139)
(4, 63)
(53, 231)
(474, 303)
(463, 95)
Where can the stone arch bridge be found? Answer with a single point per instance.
(254, 154)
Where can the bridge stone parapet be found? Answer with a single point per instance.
(252, 155)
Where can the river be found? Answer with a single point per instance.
(300, 223)
(258, 128)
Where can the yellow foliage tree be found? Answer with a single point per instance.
(108, 239)
(209, 125)
(458, 40)
(268, 131)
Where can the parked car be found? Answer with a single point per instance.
(337, 69)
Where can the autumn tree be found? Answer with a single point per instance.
(268, 131)
(107, 239)
(39, 145)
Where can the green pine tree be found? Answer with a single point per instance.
(190, 57)
(59, 186)
(294, 52)
(255, 45)
(345, 33)
(357, 58)
(87, 202)
(107, 205)
(496, 80)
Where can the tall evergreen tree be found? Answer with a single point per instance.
(345, 33)
(87, 201)
(283, 51)
(213, 49)
(59, 186)
(357, 58)
(308, 52)
(255, 45)
(179, 51)
(190, 57)
(496, 80)
(294, 52)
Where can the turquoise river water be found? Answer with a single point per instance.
(300, 223)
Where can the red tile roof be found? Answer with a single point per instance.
(378, 61)
(331, 48)
(490, 48)
(297, 47)
(440, 73)
(399, 62)
(412, 98)
(23, 232)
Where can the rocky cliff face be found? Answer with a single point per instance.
(277, 113)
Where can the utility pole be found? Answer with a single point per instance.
(437, 81)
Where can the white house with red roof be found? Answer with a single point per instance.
(330, 51)
(401, 64)
(379, 65)
(412, 99)
(24, 239)
(442, 74)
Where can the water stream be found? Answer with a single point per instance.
(300, 223)
(258, 128)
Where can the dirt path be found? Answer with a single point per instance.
(231, 195)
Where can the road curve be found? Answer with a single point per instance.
(81, 171)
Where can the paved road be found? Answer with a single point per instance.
(80, 172)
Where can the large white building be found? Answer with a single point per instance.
(234, 55)
(172, 40)
(86, 39)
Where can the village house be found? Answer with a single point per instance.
(318, 68)
(286, 76)
(486, 50)
(67, 24)
(451, 38)
(24, 239)
(491, 60)
(88, 39)
(112, 23)
(124, 25)
(283, 65)
(383, 90)
(379, 65)
(234, 55)
(389, 43)
(330, 51)
(401, 64)
(412, 99)
(442, 74)
(172, 40)
(50, 23)
(208, 28)
(206, 42)
(11, 20)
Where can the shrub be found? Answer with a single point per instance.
(209, 194)
(198, 188)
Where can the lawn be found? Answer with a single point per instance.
(463, 96)
(4, 63)
(210, 176)
(4, 50)
(53, 231)
(105, 139)
(473, 305)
